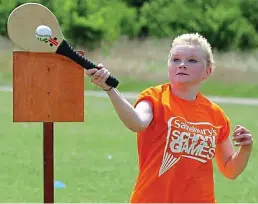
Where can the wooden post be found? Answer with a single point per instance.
(47, 88)
(48, 158)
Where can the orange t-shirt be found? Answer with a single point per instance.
(176, 149)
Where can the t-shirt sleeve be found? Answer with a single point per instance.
(225, 130)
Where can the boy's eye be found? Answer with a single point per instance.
(175, 60)
(192, 60)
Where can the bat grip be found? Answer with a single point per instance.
(66, 50)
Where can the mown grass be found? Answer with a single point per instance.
(96, 159)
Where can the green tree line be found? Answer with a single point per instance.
(227, 24)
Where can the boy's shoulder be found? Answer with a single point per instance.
(156, 89)
(205, 101)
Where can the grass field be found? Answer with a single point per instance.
(140, 64)
(96, 159)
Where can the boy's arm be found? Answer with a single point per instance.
(136, 119)
(231, 163)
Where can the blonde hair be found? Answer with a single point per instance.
(195, 39)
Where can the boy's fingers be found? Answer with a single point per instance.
(100, 65)
(240, 130)
(90, 72)
(241, 137)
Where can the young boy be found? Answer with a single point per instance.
(179, 131)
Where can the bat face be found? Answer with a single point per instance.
(52, 42)
(22, 25)
(24, 20)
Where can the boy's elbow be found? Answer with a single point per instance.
(138, 128)
(139, 124)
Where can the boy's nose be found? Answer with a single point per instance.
(182, 65)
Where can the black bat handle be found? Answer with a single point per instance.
(66, 50)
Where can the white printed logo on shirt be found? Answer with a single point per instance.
(188, 139)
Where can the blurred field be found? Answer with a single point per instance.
(140, 64)
(96, 159)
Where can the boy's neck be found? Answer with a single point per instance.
(185, 92)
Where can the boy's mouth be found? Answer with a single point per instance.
(181, 73)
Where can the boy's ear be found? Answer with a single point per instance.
(207, 73)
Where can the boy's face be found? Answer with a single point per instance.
(187, 65)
